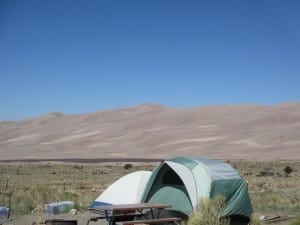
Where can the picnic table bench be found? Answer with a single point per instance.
(120, 215)
(130, 214)
(174, 220)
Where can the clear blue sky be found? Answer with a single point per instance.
(84, 56)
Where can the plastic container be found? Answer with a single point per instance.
(4, 212)
(59, 207)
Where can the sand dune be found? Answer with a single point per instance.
(155, 131)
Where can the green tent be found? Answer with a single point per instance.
(181, 182)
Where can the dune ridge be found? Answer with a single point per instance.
(155, 131)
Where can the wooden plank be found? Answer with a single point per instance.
(151, 221)
(128, 207)
(95, 218)
(278, 219)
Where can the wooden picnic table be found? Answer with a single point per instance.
(117, 213)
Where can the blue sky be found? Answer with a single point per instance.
(84, 56)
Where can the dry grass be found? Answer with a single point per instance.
(295, 222)
(33, 185)
(273, 193)
(37, 183)
(209, 212)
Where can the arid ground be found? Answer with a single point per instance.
(33, 184)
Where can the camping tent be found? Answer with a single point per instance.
(134, 184)
(181, 182)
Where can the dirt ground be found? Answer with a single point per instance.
(82, 218)
(38, 218)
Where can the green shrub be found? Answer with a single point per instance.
(287, 170)
(209, 212)
(127, 166)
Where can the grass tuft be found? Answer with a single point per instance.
(209, 212)
(254, 220)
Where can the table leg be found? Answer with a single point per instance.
(152, 214)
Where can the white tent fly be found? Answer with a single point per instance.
(134, 184)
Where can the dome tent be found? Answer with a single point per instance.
(181, 182)
(134, 183)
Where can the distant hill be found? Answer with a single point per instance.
(155, 131)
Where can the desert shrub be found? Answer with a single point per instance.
(81, 186)
(28, 203)
(43, 193)
(295, 221)
(27, 200)
(39, 195)
(127, 166)
(287, 170)
(209, 212)
(266, 174)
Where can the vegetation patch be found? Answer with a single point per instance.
(34, 185)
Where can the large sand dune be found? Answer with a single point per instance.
(154, 131)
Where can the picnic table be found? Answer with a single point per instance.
(141, 213)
